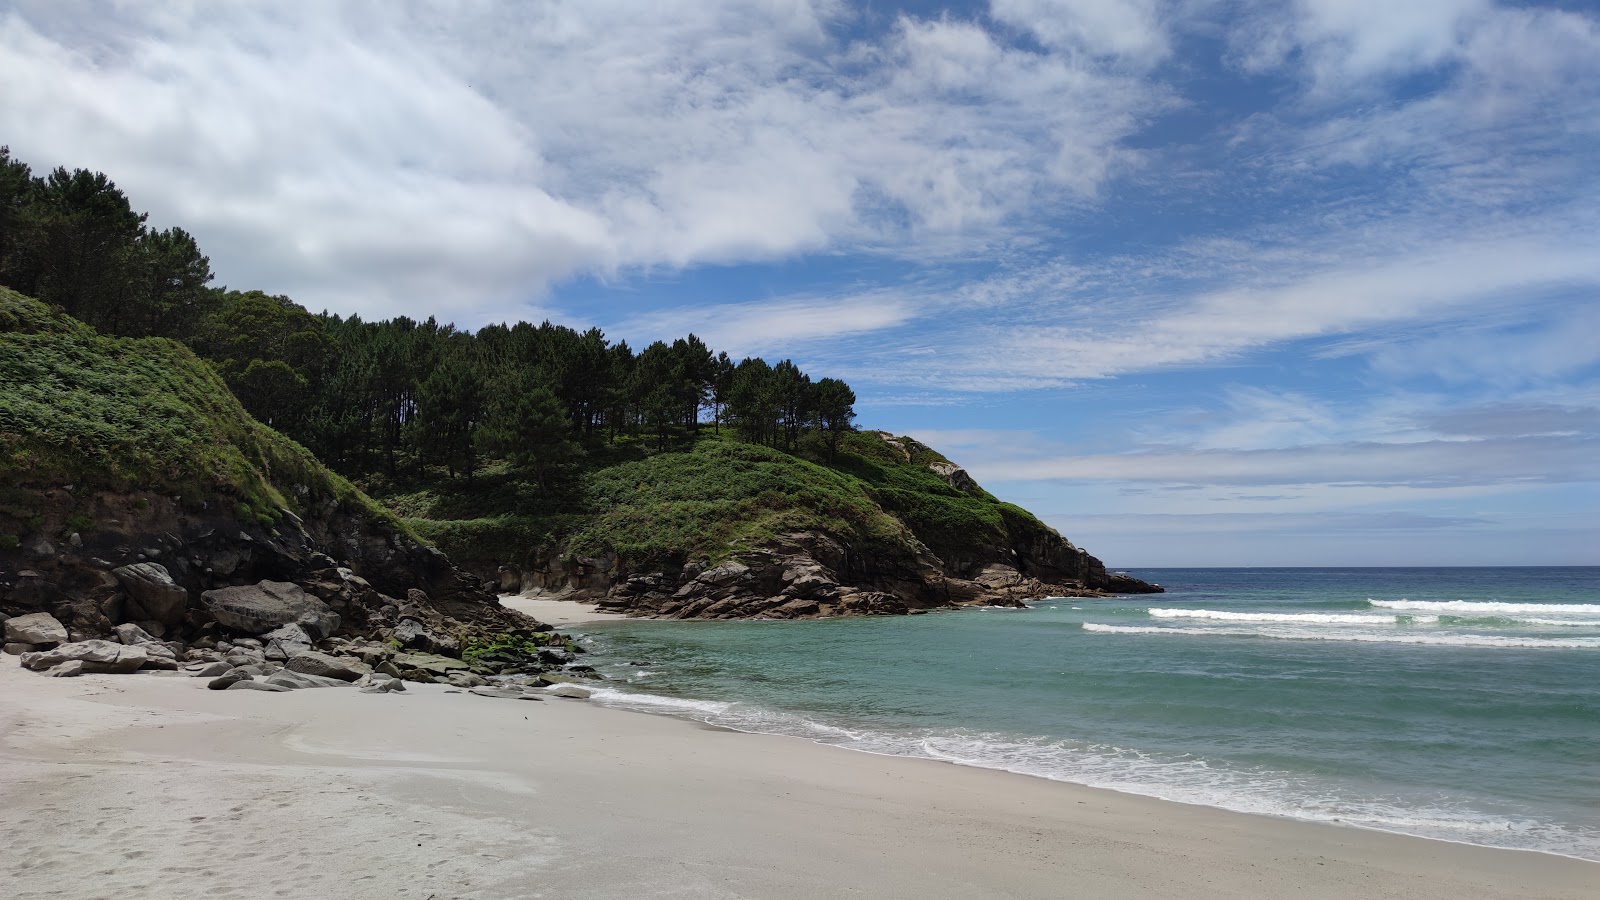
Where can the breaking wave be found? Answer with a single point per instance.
(1477, 606)
(1433, 640)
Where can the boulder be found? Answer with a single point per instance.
(257, 686)
(498, 693)
(316, 663)
(69, 669)
(287, 641)
(131, 634)
(150, 588)
(14, 648)
(36, 628)
(243, 656)
(228, 679)
(268, 605)
(570, 691)
(431, 663)
(296, 680)
(462, 679)
(379, 684)
(212, 670)
(96, 656)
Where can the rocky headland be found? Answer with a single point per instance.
(815, 573)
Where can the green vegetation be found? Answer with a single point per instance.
(475, 651)
(507, 444)
(123, 414)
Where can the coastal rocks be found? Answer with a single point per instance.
(131, 634)
(297, 680)
(151, 593)
(569, 691)
(286, 641)
(428, 663)
(228, 679)
(69, 669)
(95, 655)
(316, 663)
(257, 686)
(377, 683)
(38, 629)
(268, 605)
(413, 634)
(500, 693)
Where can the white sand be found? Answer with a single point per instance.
(558, 612)
(140, 786)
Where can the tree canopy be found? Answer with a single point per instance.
(395, 398)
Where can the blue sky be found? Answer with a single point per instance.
(1209, 283)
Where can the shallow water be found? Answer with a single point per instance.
(1453, 703)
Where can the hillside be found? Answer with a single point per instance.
(144, 411)
(725, 528)
(116, 452)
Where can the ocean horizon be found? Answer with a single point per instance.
(1455, 703)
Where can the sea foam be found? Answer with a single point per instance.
(1434, 640)
(1484, 606)
(1283, 618)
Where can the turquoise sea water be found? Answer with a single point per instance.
(1453, 703)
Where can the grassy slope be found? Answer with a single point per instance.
(712, 499)
(106, 413)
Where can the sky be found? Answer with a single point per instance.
(1214, 283)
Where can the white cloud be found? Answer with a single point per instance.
(1555, 459)
(747, 329)
(459, 159)
(1131, 29)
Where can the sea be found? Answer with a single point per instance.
(1453, 703)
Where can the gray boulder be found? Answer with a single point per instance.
(13, 648)
(498, 693)
(36, 628)
(317, 663)
(289, 640)
(431, 663)
(244, 656)
(379, 684)
(298, 680)
(132, 634)
(151, 590)
(257, 686)
(69, 669)
(212, 670)
(96, 656)
(462, 679)
(570, 691)
(228, 679)
(268, 605)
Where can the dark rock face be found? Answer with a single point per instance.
(151, 593)
(263, 607)
(149, 558)
(809, 575)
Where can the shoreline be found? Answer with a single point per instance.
(126, 778)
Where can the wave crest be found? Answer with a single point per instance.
(1434, 640)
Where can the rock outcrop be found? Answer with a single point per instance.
(811, 575)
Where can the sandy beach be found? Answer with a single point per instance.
(152, 786)
(558, 612)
